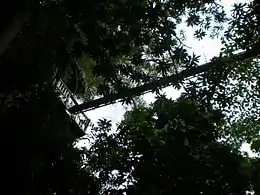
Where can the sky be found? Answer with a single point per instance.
(206, 48)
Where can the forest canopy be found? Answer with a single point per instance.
(117, 50)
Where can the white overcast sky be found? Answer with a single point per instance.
(206, 48)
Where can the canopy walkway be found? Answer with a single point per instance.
(160, 83)
(69, 100)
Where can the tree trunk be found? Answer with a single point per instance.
(163, 82)
(12, 30)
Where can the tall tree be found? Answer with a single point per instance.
(116, 35)
(38, 139)
(234, 87)
(170, 147)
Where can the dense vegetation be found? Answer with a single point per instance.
(126, 47)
